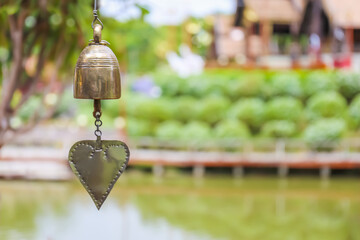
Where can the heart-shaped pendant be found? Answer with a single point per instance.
(98, 165)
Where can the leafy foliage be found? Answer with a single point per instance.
(281, 104)
(318, 81)
(139, 127)
(211, 108)
(135, 51)
(246, 85)
(231, 128)
(324, 133)
(28, 109)
(186, 108)
(153, 109)
(354, 110)
(326, 105)
(284, 108)
(195, 131)
(349, 84)
(279, 129)
(39, 42)
(284, 84)
(249, 110)
(169, 130)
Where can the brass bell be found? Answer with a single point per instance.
(97, 72)
(98, 163)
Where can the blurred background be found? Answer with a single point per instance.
(242, 118)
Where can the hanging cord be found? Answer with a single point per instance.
(96, 18)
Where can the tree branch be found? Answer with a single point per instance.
(32, 81)
(11, 81)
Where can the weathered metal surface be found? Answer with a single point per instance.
(98, 170)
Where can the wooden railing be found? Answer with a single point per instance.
(237, 154)
(282, 154)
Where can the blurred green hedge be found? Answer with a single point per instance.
(319, 106)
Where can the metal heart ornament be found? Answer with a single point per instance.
(98, 166)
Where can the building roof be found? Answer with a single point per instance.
(279, 11)
(343, 13)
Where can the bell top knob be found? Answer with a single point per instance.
(97, 33)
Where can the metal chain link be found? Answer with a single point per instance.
(98, 124)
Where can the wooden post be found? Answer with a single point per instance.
(295, 49)
(158, 170)
(283, 171)
(265, 33)
(198, 171)
(349, 36)
(280, 150)
(248, 33)
(280, 205)
(238, 171)
(325, 172)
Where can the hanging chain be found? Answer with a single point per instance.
(96, 18)
(97, 115)
(97, 132)
(98, 124)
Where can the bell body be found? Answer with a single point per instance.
(97, 73)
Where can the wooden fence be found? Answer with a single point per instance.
(48, 160)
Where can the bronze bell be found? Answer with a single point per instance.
(97, 72)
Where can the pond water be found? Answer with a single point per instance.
(180, 207)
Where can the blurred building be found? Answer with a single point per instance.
(264, 27)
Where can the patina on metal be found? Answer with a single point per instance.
(98, 163)
(98, 169)
(97, 72)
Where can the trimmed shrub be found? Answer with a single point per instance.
(196, 86)
(159, 109)
(326, 105)
(349, 84)
(200, 86)
(278, 129)
(284, 108)
(354, 111)
(169, 130)
(212, 109)
(195, 131)
(133, 102)
(324, 133)
(249, 85)
(231, 128)
(216, 86)
(283, 84)
(318, 81)
(250, 111)
(170, 84)
(139, 127)
(186, 108)
(203, 102)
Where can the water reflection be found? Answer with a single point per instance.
(181, 208)
(82, 221)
